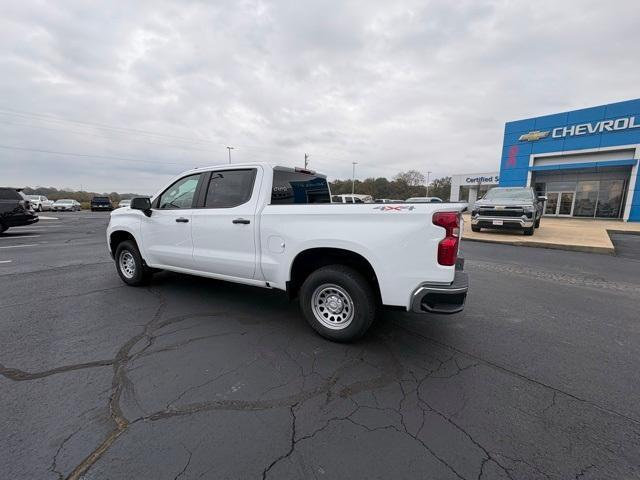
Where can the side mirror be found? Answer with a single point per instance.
(141, 203)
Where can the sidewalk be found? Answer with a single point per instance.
(585, 235)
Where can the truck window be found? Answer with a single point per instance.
(291, 187)
(230, 188)
(180, 194)
(336, 199)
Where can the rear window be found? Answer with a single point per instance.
(291, 187)
(230, 188)
(9, 194)
(100, 199)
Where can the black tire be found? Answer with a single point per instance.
(140, 274)
(529, 231)
(3, 227)
(475, 228)
(40, 208)
(538, 222)
(360, 297)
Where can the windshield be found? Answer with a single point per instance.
(64, 201)
(100, 199)
(514, 194)
(33, 197)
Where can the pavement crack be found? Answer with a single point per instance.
(118, 384)
(584, 471)
(18, 375)
(54, 463)
(292, 445)
(524, 377)
(184, 469)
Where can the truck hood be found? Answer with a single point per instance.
(506, 203)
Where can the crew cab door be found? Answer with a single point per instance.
(224, 228)
(166, 234)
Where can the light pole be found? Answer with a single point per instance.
(306, 160)
(428, 178)
(353, 178)
(229, 148)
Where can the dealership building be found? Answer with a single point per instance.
(584, 161)
(469, 187)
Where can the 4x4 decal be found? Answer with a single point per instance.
(394, 208)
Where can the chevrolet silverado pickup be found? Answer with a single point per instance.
(275, 227)
(508, 207)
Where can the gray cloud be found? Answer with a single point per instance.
(164, 85)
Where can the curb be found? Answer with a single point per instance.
(553, 246)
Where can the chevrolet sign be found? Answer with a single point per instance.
(533, 136)
(598, 127)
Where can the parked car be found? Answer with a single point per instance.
(15, 210)
(124, 203)
(274, 227)
(101, 203)
(424, 200)
(352, 198)
(66, 205)
(387, 200)
(508, 207)
(39, 202)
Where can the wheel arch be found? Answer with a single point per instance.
(117, 237)
(311, 259)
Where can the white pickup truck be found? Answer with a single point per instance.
(275, 227)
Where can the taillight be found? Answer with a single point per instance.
(448, 246)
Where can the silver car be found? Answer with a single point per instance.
(66, 205)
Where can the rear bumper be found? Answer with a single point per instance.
(487, 222)
(429, 298)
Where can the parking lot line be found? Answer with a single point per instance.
(19, 237)
(6, 261)
(22, 246)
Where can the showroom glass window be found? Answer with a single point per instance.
(181, 194)
(298, 188)
(230, 188)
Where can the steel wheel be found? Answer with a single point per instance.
(332, 306)
(127, 264)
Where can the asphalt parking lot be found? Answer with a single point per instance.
(194, 378)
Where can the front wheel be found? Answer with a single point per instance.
(130, 265)
(475, 228)
(529, 231)
(338, 303)
(538, 222)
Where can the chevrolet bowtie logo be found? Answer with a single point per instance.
(533, 136)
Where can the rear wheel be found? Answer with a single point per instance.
(475, 228)
(130, 265)
(338, 303)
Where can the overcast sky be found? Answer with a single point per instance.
(151, 88)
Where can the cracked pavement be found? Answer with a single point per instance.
(193, 378)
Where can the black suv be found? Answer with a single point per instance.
(101, 203)
(508, 207)
(15, 210)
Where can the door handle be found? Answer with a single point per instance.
(243, 221)
(182, 220)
